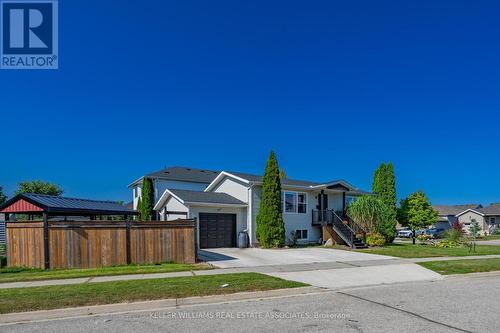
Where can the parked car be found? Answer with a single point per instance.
(420, 232)
(405, 233)
(435, 232)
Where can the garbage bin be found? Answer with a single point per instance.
(243, 239)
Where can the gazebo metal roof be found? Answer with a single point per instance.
(28, 203)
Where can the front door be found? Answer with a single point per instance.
(323, 201)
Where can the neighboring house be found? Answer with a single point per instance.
(488, 218)
(447, 215)
(2, 229)
(225, 203)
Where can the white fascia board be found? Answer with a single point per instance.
(135, 182)
(341, 182)
(164, 198)
(220, 177)
(469, 210)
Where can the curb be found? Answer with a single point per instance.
(472, 275)
(151, 306)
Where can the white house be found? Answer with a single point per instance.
(226, 203)
(488, 218)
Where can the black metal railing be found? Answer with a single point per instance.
(321, 217)
(345, 226)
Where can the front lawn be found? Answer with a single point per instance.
(54, 297)
(26, 274)
(404, 250)
(463, 266)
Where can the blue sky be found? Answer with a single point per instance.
(334, 87)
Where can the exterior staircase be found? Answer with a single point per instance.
(351, 233)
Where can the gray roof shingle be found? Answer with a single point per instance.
(286, 181)
(207, 176)
(493, 209)
(206, 197)
(445, 210)
(185, 174)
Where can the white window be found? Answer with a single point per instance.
(492, 220)
(301, 203)
(301, 233)
(294, 202)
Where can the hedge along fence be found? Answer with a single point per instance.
(100, 243)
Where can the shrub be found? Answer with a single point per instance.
(375, 239)
(424, 237)
(448, 244)
(373, 215)
(453, 235)
(458, 227)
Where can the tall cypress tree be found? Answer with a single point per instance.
(270, 227)
(384, 186)
(139, 208)
(148, 199)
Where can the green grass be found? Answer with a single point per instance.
(54, 297)
(424, 251)
(27, 274)
(463, 266)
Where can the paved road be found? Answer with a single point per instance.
(452, 305)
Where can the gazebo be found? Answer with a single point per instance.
(48, 207)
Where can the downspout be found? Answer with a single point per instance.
(249, 215)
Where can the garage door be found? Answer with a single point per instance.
(217, 230)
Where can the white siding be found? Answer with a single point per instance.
(256, 195)
(137, 191)
(334, 201)
(160, 185)
(173, 205)
(468, 217)
(296, 221)
(234, 188)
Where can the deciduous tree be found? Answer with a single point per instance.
(39, 187)
(416, 212)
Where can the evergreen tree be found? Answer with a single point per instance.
(148, 199)
(384, 186)
(270, 227)
(139, 208)
(3, 198)
(416, 212)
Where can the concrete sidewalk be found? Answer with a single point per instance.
(267, 269)
(402, 268)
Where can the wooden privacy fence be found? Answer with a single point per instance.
(99, 243)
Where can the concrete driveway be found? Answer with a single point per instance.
(254, 257)
(320, 267)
